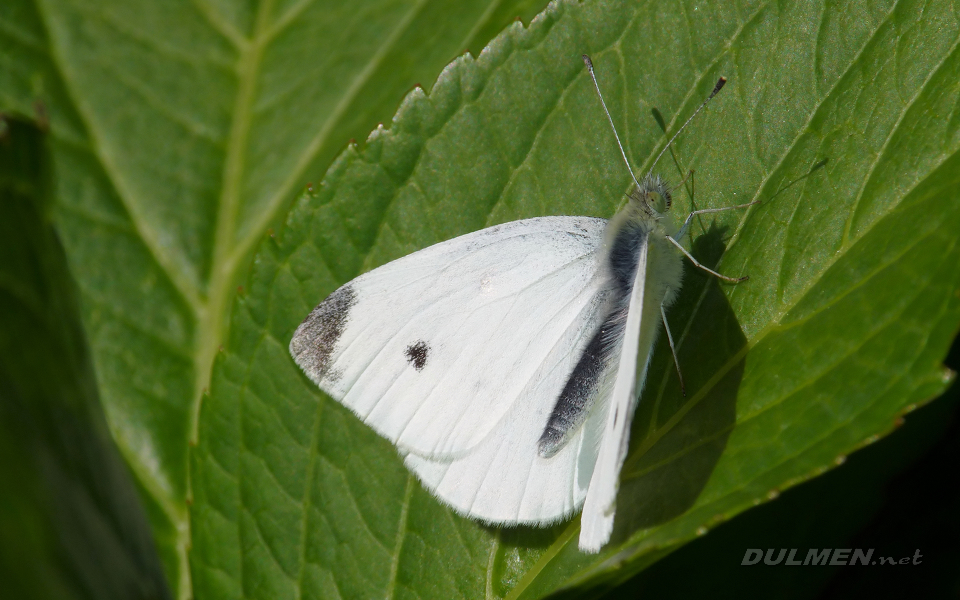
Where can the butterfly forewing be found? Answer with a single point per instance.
(434, 349)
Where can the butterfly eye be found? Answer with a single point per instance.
(658, 200)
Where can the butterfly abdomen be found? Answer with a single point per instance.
(626, 235)
(580, 391)
(640, 223)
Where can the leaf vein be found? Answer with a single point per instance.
(401, 535)
(276, 201)
(871, 172)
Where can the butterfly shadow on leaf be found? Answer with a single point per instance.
(676, 441)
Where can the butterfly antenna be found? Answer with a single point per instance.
(589, 63)
(716, 90)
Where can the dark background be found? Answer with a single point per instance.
(897, 496)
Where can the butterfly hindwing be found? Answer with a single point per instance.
(504, 479)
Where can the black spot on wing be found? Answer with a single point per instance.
(317, 337)
(417, 354)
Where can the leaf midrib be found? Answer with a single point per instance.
(228, 252)
(211, 317)
(245, 246)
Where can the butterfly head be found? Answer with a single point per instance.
(652, 195)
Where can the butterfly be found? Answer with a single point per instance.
(506, 364)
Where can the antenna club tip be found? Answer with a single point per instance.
(720, 83)
(588, 62)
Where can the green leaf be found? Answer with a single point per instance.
(858, 505)
(843, 122)
(70, 523)
(180, 131)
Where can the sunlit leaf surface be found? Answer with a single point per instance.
(842, 121)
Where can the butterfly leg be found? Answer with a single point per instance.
(686, 222)
(697, 264)
(673, 350)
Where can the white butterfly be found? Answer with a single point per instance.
(506, 364)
